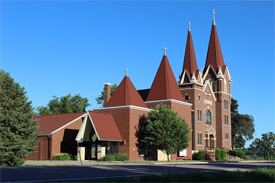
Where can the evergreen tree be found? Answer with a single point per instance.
(63, 105)
(17, 129)
(166, 130)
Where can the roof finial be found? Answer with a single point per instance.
(126, 72)
(189, 26)
(213, 12)
(164, 48)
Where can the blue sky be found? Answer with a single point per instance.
(61, 47)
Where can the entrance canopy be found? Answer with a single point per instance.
(103, 125)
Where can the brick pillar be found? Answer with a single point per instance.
(107, 92)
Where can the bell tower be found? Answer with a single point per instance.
(217, 74)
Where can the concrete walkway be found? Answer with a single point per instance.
(94, 162)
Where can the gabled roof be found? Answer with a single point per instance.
(164, 85)
(207, 85)
(105, 126)
(126, 94)
(48, 124)
(214, 53)
(190, 62)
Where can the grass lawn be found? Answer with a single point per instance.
(255, 175)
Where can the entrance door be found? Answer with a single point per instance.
(93, 151)
(211, 142)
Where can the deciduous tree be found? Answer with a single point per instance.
(265, 145)
(66, 104)
(17, 129)
(242, 126)
(166, 130)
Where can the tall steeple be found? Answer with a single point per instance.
(190, 62)
(126, 94)
(164, 85)
(214, 53)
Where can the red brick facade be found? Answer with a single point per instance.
(201, 98)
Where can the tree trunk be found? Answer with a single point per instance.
(167, 157)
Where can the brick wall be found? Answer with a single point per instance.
(41, 150)
(185, 112)
(57, 137)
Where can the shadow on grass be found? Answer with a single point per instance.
(255, 175)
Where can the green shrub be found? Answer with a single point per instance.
(115, 157)
(220, 154)
(109, 157)
(61, 157)
(199, 155)
(237, 152)
(121, 157)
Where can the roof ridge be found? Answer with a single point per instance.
(61, 114)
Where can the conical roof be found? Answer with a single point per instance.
(214, 54)
(190, 62)
(126, 94)
(164, 85)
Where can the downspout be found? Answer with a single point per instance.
(49, 146)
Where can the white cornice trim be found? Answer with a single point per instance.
(205, 85)
(83, 125)
(122, 107)
(181, 79)
(168, 100)
(229, 76)
(207, 71)
(111, 140)
(93, 126)
(186, 84)
(68, 123)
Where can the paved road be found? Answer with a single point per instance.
(58, 173)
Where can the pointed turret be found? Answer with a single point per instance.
(126, 94)
(214, 53)
(190, 62)
(164, 85)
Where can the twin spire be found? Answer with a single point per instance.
(214, 55)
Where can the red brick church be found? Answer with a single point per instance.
(201, 98)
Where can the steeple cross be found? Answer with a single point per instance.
(126, 72)
(189, 26)
(164, 48)
(213, 12)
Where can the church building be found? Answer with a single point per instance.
(201, 98)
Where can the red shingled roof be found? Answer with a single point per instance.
(190, 62)
(214, 54)
(49, 123)
(164, 85)
(105, 126)
(126, 94)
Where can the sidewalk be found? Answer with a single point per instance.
(94, 163)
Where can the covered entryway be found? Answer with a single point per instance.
(210, 140)
(98, 136)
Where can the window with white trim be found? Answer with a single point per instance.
(199, 138)
(199, 115)
(208, 117)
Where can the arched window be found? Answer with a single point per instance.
(208, 117)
